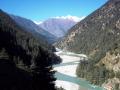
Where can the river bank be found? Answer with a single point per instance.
(66, 72)
(68, 68)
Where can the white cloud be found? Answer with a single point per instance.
(75, 18)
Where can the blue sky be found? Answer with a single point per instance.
(37, 10)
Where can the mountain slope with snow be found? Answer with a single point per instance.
(59, 26)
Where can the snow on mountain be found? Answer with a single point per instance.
(69, 17)
(59, 25)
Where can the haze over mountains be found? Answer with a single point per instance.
(31, 27)
(60, 25)
(50, 29)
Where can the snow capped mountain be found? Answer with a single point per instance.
(59, 25)
(72, 18)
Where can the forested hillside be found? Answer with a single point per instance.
(25, 63)
(98, 36)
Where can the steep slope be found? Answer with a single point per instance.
(58, 26)
(25, 63)
(100, 29)
(31, 27)
(98, 36)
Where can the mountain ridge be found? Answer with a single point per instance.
(97, 36)
(59, 26)
(33, 28)
(25, 63)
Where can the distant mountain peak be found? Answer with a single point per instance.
(67, 17)
(70, 17)
(31, 27)
(37, 22)
(59, 25)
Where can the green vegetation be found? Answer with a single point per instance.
(25, 63)
(94, 74)
(95, 36)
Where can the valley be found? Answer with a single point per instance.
(68, 50)
(66, 72)
(97, 36)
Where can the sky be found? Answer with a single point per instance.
(39, 10)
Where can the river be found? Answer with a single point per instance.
(66, 72)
